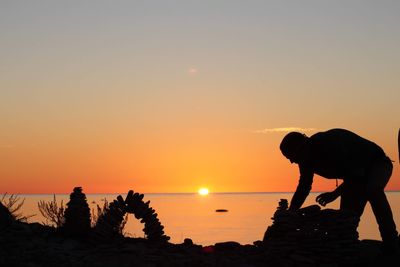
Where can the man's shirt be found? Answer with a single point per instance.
(339, 153)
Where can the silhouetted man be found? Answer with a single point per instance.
(341, 154)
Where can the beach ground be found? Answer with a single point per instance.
(33, 244)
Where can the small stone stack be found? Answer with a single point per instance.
(109, 223)
(77, 214)
(153, 229)
(311, 236)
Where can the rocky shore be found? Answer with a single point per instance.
(33, 245)
(308, 237)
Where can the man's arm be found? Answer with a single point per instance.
(303, 188)
(338, 191)
(328, 197)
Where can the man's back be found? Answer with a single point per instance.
(340, 153)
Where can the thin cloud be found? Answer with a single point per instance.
(284, 130)
(193, 71)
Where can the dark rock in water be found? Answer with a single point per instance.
(77, 214)
(221, 210)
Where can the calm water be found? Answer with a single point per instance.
(194, 216)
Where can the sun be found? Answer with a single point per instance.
(203, 191)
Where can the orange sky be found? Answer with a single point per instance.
(222, 161)
(170, 97)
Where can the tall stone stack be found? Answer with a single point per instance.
(311, 236)
(77, 214)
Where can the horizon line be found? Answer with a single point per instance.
(181, 193)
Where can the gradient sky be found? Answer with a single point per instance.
(168, 96)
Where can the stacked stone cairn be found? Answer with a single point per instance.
(110, 222)
(77, 214)
(311, 236)
(153, 228)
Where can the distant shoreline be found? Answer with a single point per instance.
(193, 193)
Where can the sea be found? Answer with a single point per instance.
(194, 216)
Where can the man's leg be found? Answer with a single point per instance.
(353, 197)
(384, 217)
(377, 179)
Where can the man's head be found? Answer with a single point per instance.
(292, 145)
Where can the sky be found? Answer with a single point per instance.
(171, 96)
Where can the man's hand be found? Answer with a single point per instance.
(326, 198)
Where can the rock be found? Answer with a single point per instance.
(70, 244)
(221, 210)
(230, 245)
(188, 242)
(6, 217)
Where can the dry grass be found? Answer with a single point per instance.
(53, 213)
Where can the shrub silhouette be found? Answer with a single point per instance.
(13, 204)
(53, 213)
